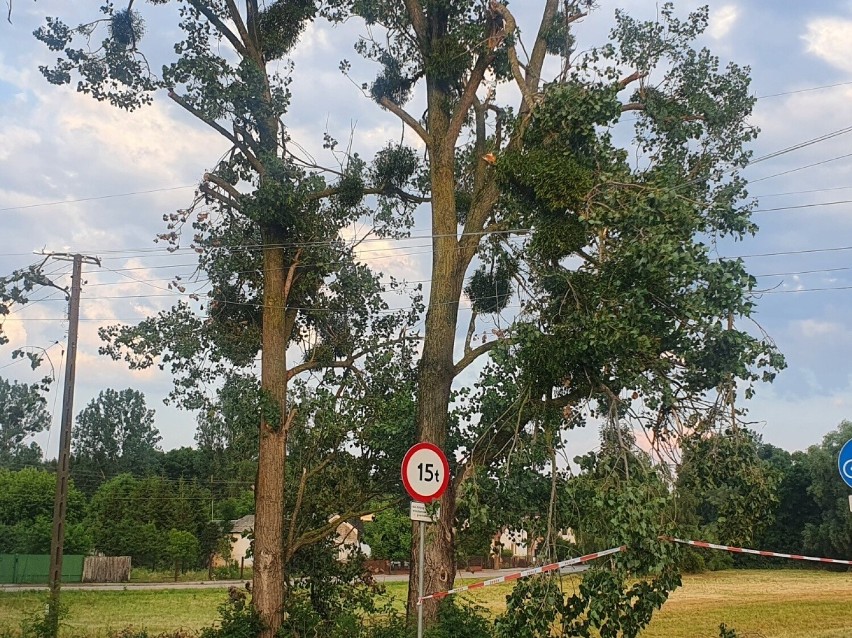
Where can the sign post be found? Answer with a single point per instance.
(425, 474)
(844, 465)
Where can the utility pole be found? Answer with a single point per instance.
(60, 504)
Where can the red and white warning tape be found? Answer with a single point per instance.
(589, 557)
(756, 552)
(527, 572)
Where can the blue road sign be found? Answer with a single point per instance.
(844, 462)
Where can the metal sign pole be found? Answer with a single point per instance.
(421, 563)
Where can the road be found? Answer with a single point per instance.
(485, 574)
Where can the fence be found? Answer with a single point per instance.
(106, 569)
(32, 569)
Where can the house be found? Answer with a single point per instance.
(241, 540)
(347, 537)
(523, 552)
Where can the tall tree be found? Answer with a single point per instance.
(623, 292)
(115, 434)
(725, 488)
(831, 533)
(23, 414)
(267, 225)
(26, 514)
(131, 516)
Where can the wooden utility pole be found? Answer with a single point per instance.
(60, 504)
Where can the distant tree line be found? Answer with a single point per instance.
(129, 497)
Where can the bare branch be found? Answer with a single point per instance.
(636, 75)
(418, 21)
(298, 506)
(349, 362)
(219, 197)
(472, 355)
(406, 117)
(225, 186)
(471, 327)
(291, 275)
(466, 100)
(539, 52)
(207, 12)
(222, 131)
(632, 106)
(510, 27)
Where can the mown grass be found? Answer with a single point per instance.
(770, 604)
(96, 613)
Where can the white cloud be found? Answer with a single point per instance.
(722, 21)
(831, 40)
(813, 328)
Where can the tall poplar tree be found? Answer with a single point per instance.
(620, 292)
(267, 228)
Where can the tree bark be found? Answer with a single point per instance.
(268, 585)
(436, 370)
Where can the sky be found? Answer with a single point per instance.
(79, 175)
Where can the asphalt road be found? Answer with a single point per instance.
(485, 574)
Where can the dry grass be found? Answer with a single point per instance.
(757, 603)
(770, 604)
(774, 604)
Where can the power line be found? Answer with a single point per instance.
(804, 272)
(807, 192)
(806, 143)
(98, 197)
(814, 205)
(801, 168)
(804, 251)
(812, 88)
(778, 292)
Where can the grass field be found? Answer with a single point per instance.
(770, 604)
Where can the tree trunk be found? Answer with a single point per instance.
(268, 587)
(436, 371)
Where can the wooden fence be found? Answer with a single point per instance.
(106, 569)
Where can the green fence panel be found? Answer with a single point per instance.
(7, 568)
(34, 569)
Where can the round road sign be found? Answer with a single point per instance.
(425, 472)
(844, 463)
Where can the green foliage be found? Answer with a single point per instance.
(389, 535)
(726, 632)
(329, 597)
(115, 434)
(280, 24)
(23, 413)
(15, 289)
(237, 619)
(182, 548)
(830, 534)
(45, 622)
(130, 516)
(460, 619)
(619, 498)
(26, 514)
(723, 483)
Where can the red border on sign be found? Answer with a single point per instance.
(411, 451)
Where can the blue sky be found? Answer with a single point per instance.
(58, 146)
